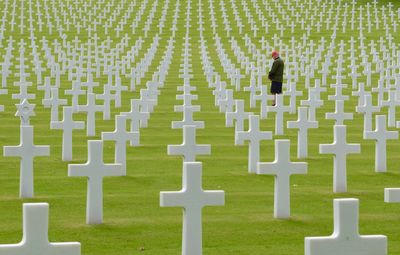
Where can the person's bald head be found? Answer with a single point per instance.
(275, 54)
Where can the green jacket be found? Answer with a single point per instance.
(276, 72)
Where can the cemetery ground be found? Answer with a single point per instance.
(134, 222)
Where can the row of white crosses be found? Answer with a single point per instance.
(95, 169)
(282, 168)
(76, 17)
(26, 110)
(348, 217)
(192, 197)
(339, 116)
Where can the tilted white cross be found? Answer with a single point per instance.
(189, 149)
(35, 239)
(340, 148)
(339, 115)
(346, 239)
(67, 125)
(381, 135)
(282, 168)
(302, 124)
(192, 198)
(95, 170)
(254, 136)
(121, 137)
(279, 109)
(27, 151)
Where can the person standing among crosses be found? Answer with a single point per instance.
(276, 75)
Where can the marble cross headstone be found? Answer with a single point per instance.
(264, 97)
(254, 135)
(339, 115)
(392, 103)
(239, 115)
(35, 239)
(54, 102)
(346, 239)
(189, 149)
(95, 170)
(368, 110)
(67, 125)
(340, 148)
(280, 109)
(121, 136)
(27, 151)
(187, 118)
(302, 124)
(90, 108)
(137, 117)
(192, 198)
(282, 168)
(381, 135)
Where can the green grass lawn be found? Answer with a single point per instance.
(134, 223)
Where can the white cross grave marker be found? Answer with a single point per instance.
(346, 239)
(391, 103)
(279, 109)
(121, 136)
(254, 136)
(27, 151)
(367, 109)
(302, 124)
(91, 108)
(54, 102)
(239, 115)
(282, 168)
(95, 170)
(192, 198)
(340, 148)
(35, 239)
(67, 125)
(380, 135)
(339, 115)
(189, 149)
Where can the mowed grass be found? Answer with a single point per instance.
(134, 223)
